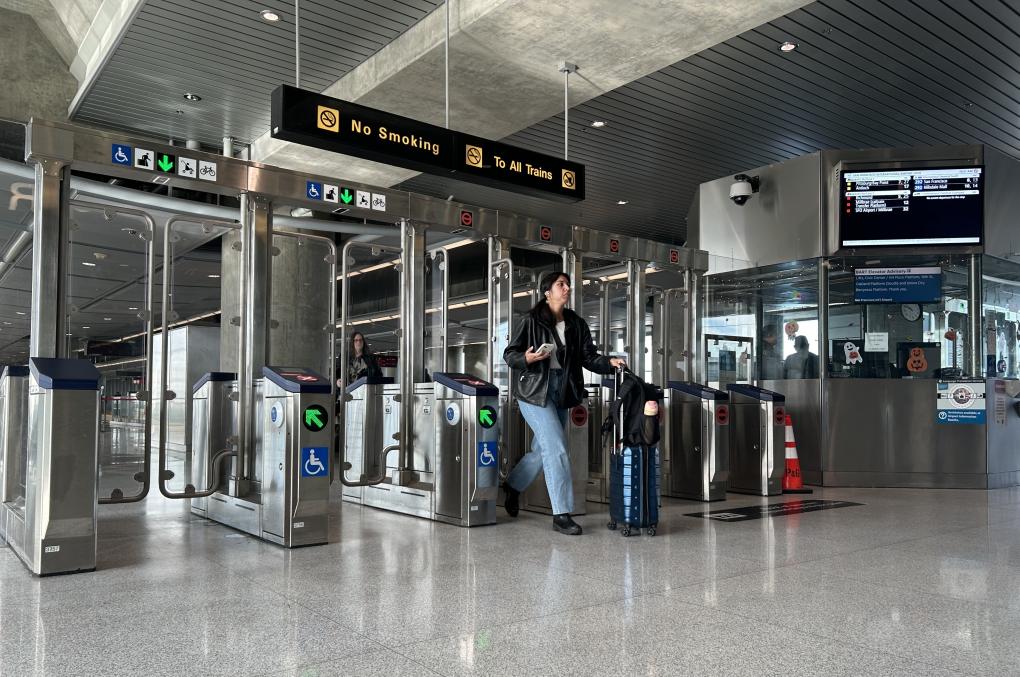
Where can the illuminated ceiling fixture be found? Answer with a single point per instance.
(192, 97)
(598, 124)
(213, 277)
(787, 46)
(269, 15)
(622, 202)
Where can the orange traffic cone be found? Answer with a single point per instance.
(792, 483)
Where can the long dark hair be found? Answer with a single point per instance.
(365, 350)
(541, 310)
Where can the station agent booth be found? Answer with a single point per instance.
(879, 292)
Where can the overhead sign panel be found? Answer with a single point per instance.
(338, 126)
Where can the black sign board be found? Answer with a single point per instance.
(339, 126)
(757, 512)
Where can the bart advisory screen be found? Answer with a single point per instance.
(912, 207)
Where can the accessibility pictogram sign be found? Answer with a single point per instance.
(187, 167)
(327, 119)
(120, 154)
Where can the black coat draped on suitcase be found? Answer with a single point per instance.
(634, 461)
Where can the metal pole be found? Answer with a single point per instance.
(297, 43)
(50, 230)
(256, 284)
(975, 317)
(412, 355)
(566, 68)
(636, 316)
(447, 50)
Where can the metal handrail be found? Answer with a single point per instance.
(116, 496)
(165, 353)
(342, 416)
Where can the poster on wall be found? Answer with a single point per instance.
(898, 285)
(960, 402)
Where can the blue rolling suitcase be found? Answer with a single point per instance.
(634, 458)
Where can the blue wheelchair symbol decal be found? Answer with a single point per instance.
(314, 190)
(486, 454)
(314, 461)
(120, 154)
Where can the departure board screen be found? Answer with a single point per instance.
(930, 206)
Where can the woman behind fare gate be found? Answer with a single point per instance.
(548, 385)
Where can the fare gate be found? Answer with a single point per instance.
(695, 442)
(49, 513)
(757, 440)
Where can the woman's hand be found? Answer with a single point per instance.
(531, 356)
(617, 362)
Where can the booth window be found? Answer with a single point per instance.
(898, 316)
(761, 325)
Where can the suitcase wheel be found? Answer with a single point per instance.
(650, 531)
(611, 526)
(625, 531)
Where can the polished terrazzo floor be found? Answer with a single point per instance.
(914, 582)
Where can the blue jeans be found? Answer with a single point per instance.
(548, 450)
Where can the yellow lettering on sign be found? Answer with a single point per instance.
(409, 140)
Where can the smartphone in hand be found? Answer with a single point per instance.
(545, 349)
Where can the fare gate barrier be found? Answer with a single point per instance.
(288, 499)
(13, 432)
(49, 516)
(536, 497)
(696, 456)
(455, 441)
(214, 432)
(757, 440)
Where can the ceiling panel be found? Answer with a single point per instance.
(224, 52)
(866, 73)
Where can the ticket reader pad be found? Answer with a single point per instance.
(467, 449)
(296, 451)
(696, 462)
(214, 433)
(757, 440)
(49, 519)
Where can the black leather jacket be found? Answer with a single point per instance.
(532, 381)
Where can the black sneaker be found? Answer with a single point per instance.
(512, 500)
(566, 525)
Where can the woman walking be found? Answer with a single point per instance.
(548, 351)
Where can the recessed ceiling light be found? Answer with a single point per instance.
(86, 327)
(18, 312)
(214, 277)
(107, 319)
(269, 15)
(132, 307)
(598, 124)
(787, 46)
(88, 263)
(622, 202)
(192, 97)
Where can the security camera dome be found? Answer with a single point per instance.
(742, 188)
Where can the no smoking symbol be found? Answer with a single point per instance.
(329, 119)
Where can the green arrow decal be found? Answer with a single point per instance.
(347, 196)
(312, 419)
(165, 163)
(486, 416)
